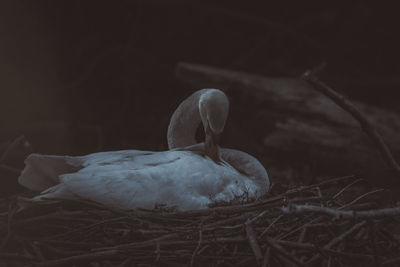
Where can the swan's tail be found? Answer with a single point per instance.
(42, 171)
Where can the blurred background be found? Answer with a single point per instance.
(78, 77)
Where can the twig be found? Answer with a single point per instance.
(76, 245)
(340, 238)
(355, 256)
(274, 245)
(167, 240)
(302, 235)
(307, 246)
(11, 212)
(69, 261)
(360, 197)
(266, 257)
(353, 110)
(270, 225)
(198, 244)
(251, 236)
(15, 256)
(255, 218)
(391, 262)
(158, 250)
(89, 226)
(241, 218)
(137, 244)
(345, 188)
(330, 181)
(337, 240)
(301, 209)
(60, 252)
(314, 220)
(298, 245)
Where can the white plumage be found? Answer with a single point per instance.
(130, 178)
(183, 177)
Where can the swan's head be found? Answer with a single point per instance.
(214, 108)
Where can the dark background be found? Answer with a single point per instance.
(83, 76)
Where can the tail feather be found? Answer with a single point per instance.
(42, 171)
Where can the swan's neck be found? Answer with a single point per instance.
(184, 122)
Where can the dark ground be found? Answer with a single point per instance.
(83, 76)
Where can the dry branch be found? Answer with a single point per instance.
(195, 252)
(274, 245)
(337, 240)
(251, 236)
(337, 213)
(80, 259)
(365, 123)
(341, 237)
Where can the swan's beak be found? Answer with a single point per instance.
(211, 145)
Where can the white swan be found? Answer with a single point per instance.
(189, 176)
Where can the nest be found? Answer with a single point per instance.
(333, 223)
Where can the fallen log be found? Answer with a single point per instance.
(300, 128)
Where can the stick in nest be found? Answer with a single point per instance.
(196, 251)
(274, 245)
(338, 239)
(251, 236)
(301, 209)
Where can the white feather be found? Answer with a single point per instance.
(130, 178)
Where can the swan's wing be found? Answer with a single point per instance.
(249, 166)
(42, 171)
(174, 178)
